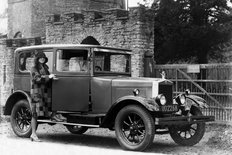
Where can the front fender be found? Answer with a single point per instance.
(14, 98)
(149, 104)
(196, 101)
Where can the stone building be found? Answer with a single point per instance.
(113, 27)
(27, 17)
(103, 22)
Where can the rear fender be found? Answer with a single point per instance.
(196, 101)
(14, 98)
(148, 104)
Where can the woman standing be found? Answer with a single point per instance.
(40, 92)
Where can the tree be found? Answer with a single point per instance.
(189, 28)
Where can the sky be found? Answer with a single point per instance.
(132, 3)
(3, 22)
(3, 5)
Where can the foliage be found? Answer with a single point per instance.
(189, 28)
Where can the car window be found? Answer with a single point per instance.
(112, 62)
(26, 60)
(72, 60)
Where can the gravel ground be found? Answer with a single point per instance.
(217, 139)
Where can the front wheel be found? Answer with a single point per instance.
(190, 134)
(134, 128)
(21, 119)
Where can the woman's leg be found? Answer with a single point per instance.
(34, 136)
(33, 125)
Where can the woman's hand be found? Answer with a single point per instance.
(52, 76)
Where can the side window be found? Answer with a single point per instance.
(26, 60)
(72, 60)
(112, 62)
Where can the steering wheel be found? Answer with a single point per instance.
(98, 68)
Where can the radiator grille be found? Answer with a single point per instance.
(166, 90)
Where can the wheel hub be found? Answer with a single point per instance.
(23, 118)
(133, 129)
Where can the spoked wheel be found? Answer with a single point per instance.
(134, 128)
(21, 119)
(75, 129)
(189, 134)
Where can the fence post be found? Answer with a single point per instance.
(176, 81)
(148, 64)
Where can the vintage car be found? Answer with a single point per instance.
(104, 95)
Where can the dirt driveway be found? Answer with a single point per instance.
(217, 140)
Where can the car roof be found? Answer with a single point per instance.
(46, 46)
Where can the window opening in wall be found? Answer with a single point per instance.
(18, 35)
(78, 17)
(90, 41)
(4, 74)
(98, 15)
(56, 18)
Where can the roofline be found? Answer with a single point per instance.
(46, 46)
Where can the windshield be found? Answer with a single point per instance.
(106, 62)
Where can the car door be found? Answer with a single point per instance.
(70, 89)
(23, 63)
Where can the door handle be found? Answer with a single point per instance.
(55, 78)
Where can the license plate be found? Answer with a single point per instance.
(168, 108)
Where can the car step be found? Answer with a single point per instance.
(67, 123)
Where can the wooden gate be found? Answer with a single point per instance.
(213, 82)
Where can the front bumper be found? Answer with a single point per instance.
(181, 120)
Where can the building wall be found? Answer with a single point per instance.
(7, 48)
(6, 71)
(116, 27)
(19, 17)
(28, 16)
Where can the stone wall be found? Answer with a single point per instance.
(2, 69)
(114, 27)
(7, 47)
(28, 16)
(6, 71)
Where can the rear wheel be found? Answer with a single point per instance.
(75, 129)
(21, 119)
(134, 128)
(189, 134)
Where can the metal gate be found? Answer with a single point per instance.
(213, 82)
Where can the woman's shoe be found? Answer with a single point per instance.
(35, 139)
(55, 118)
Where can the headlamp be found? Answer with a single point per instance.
(182, 99)
(136, 92)
(161, 99)
(187, 91)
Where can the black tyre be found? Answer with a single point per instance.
(134, 128)
(75, 129)
(21, 119)
(188, 135)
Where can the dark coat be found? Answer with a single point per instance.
(41, 90)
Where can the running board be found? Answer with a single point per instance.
(66, 123)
